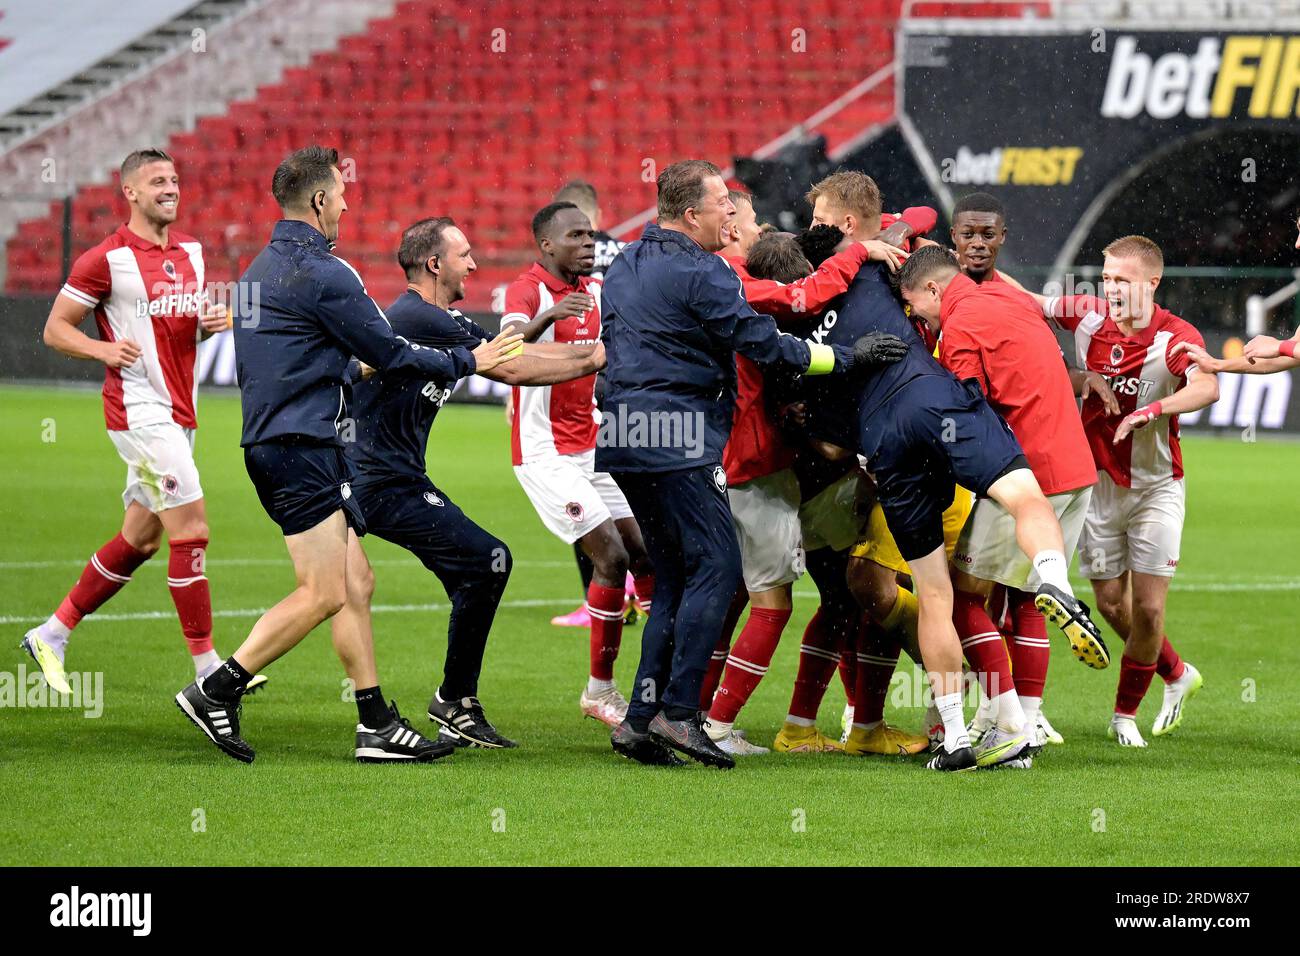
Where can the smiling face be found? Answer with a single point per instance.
(744, 231)
(154, 192)
(977, 237)
(570, 243)
(455, 263)
(1129, 285)
(710, 218)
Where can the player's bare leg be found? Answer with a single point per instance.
(383, 734)
(1038, 533)
(941, 651)
(106, 574)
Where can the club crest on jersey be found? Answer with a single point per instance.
(574, 510)
(433, 499)
(1116, 354)
(170, 485)
(719, 479)
(169, 268)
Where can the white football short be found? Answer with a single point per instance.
(570, 496)
(834, 517)
(987, 547)
(766, 513)
(160, 469)
(1133, 529)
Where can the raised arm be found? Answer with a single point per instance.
(1202, 389)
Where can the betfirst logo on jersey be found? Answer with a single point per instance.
(173, 304)
(1130, 385)
(1207, 83)
(1013, 166)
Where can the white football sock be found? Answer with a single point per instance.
(716, 729)
(1010, 716)
(954, 722)
(597, 687)
(1053, 569)
(55, 633)
(205, 663)
(1031, 706)
(799, 721)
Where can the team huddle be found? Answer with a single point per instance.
(894, 417)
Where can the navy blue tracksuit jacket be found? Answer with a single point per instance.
(673, 317)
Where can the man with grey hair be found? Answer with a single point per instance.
(676, 316)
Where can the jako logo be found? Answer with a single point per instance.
(103, 909)
(1206, 83)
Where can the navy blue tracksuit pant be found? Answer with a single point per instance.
(685, 521)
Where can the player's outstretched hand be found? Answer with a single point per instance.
(505, 347)
(1198, 357)
(1095, 384)
(1135, 420)
(1262, 347)
(878, 348)
(882, 251)
(121, 354)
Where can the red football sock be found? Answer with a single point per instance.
(748, 661)
(817, 660)
(1031, 652)
(982, 643)
(605, 605)
(1169, 665)
(1134, 679)
(189, 587)
(1000, 610)
(849, 674)
(713, 673)
(645, 590)
(877, 657)
(110, 567)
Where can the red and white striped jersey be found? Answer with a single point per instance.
(1140, 370)
(560, 419)
(152, 295)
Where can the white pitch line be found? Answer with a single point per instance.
(1244, 586)
(253, 562)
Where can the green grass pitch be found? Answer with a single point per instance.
(139, 786)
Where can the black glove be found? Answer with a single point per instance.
(878, 348)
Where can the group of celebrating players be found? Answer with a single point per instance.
(891, 416)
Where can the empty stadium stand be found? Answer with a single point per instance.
(481, 111)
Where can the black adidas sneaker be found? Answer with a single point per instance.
(464, 718)
(688, 737)
(397, 740)
(959, 760)
(641, 748)
(217, 719)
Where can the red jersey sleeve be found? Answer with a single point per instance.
(811, 293)
(522, 301)
(90, 281)
(921, 219)
(1178, 364)
(959, 351)
(1070, 310)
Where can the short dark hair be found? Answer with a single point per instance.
(979, 202)
(302, 173)
(143, 157)
(681, 186)
(777, 255)
(818, 242)
(926, 263)
(543, 218)
(420, 241)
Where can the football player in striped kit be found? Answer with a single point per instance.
(1130, 542)
(145, 285)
